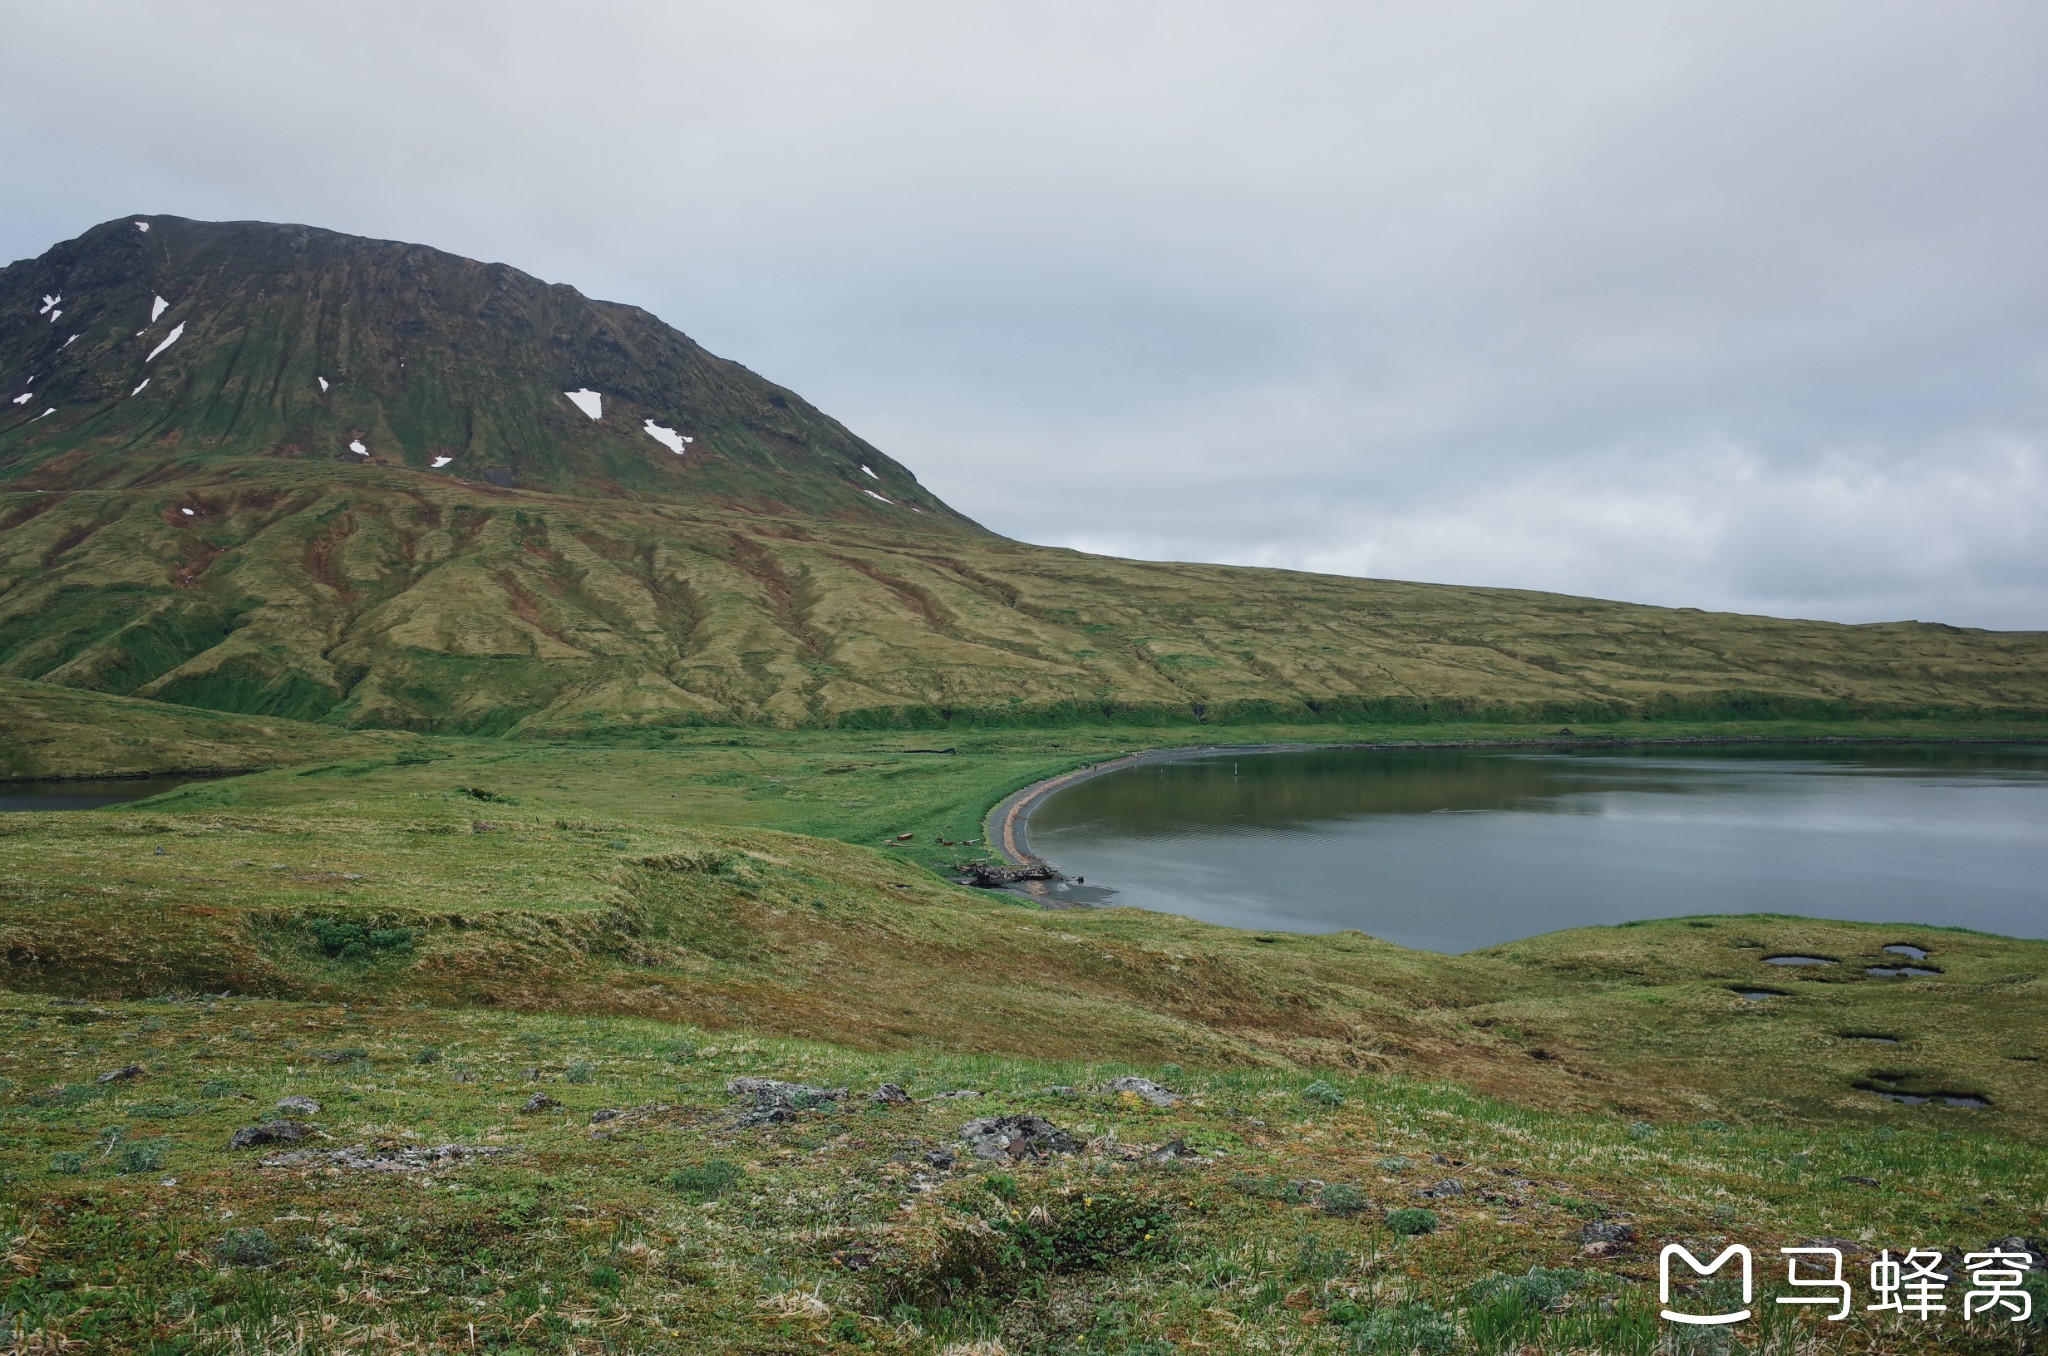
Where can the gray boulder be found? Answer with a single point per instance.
(1144, 1089)
(270, 1132)
(1013, 1137)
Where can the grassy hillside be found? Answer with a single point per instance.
(626, 881)
(348, 597)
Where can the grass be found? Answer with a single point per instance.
(675, 1228)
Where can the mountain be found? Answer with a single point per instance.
(278, 471)
(152, 347)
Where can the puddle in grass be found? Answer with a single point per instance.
(1910, 1089)
(1799, 960)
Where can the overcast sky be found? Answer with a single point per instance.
(1733, 305)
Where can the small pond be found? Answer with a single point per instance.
(85, 795)
(1448, 850)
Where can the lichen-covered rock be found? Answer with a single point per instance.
(1015, 1137)
(1144, 1089)
(270, 1132)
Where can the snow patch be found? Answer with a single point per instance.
(169, 339)
(50, 303)
(675, 442)
(588, 401)
(323, 384)
(68, 342)
(439, 462)
(24, 398)
(142, 226)
(872, 495)
(45, 414)
(55, 316)
(138, 390)
(188, 513)
(355, 445)
(870, 471)
(157, 308)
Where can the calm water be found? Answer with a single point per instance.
(1450, 850)
(84, 795)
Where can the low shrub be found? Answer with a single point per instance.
(704, 1181)
(340, 939)
(1321, 1093)
(1410, 1222)
(1089, 1231)
(245, 1248)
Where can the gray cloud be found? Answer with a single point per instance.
(1731, 306)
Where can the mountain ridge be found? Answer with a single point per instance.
(152, 349)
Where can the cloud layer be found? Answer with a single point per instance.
(1729, 306)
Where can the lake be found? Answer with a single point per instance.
(84, 795)
(1447, 850)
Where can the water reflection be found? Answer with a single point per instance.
(1450, 850)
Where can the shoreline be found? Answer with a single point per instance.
(1007, 825)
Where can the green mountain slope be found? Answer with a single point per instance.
(293, 344)
(211, 540)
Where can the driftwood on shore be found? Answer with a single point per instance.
(991, 876)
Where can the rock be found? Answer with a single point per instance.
(2037, 1252)
(270, 1132)
(1057, 1090)
(800, 1094)
(416, 1158)
(1860, 1181)
(120, 1075)
(339, 1056)
(540, 1101)
(942, 1159)
(1144, 1089)
(1443, 1190)
(956, 1094)
(890, 1095)
(1014, 1137)
(299, 1105)
(1614, 1234)
(1173, 1151)
(603, 1114)
(777, 1102)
